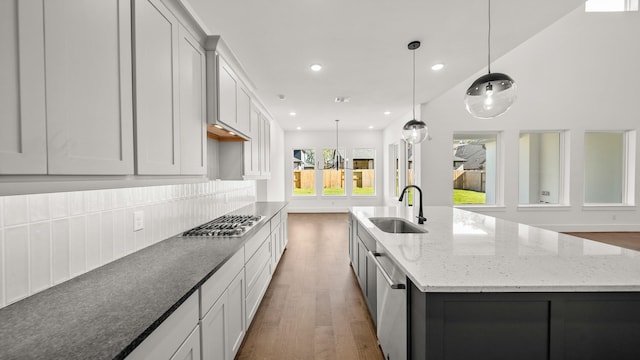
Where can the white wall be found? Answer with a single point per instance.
(579, 74)
(319, 140)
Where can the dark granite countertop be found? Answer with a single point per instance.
(107, 312)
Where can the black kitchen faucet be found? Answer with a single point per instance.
(421, 218)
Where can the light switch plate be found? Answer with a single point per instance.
(138, 220)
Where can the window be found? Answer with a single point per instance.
(540, 164)
(304, 172)
(610, 5)
(364, 180)
(475, 175)
(333, 172)
(608, 167)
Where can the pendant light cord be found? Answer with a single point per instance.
(489, 39)
(413, 102)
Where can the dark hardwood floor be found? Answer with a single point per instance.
(313, 308)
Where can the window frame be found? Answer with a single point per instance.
(563, 171)
(499, 171)
(375, 174)
(628, 171)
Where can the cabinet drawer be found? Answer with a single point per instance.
(256, 241)
(256, 263)
(255, 295)
(275, 221)
(211, 290)
(368, 240)
(167, 338)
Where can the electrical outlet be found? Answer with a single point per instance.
(138, 220)
(545, 193)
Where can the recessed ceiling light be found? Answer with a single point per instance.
(437, 67)
(370, 126)
(231, 133)
(281, 96)
(387, 112)
(315, 67)
(293, 113)
(217, 126)
(298, 128)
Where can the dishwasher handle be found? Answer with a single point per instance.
(387, 278)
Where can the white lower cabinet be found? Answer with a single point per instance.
(223, 325)
(222, 310)
(211, 323)
(214, 332)
(173, 338)
(190, 349)
(236, 329)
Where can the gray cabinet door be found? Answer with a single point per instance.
(156, 89)
(88, 87)
(193, 131)
(22, 99)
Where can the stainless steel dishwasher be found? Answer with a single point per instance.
(392, 306)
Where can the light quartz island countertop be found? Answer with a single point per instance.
(465, 251)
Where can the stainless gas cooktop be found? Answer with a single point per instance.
(226, 226)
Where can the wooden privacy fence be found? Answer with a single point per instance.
(303, 179)
(474, 180)
(363, 178)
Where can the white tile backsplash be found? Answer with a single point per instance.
(59, 204)
(118, 234)
(93, 240)
(60, 250)
(16, 262)
(106, 238)
(3, 302)
(77, 246)
(40, 256)
(46, 239)
(16, 210)
(76, 203)
(38, 207)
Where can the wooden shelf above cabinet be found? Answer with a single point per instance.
(218, 134)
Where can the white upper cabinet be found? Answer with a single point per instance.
(193, 131)
(265, 147)
(227, 97)
(233, 99)
(22, 99)
(157, 114)
(252, 147)
(243, 116)
(88, 87)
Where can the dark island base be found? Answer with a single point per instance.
(523, 326)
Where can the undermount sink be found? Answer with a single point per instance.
(396, 225)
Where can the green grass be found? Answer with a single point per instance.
(363, 191)
(468, 197)
(333, 191)
(304, 191)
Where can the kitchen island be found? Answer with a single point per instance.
(485, 288)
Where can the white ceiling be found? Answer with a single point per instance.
(362, 45)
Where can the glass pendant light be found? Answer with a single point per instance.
(492, 94)
(414, 131)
